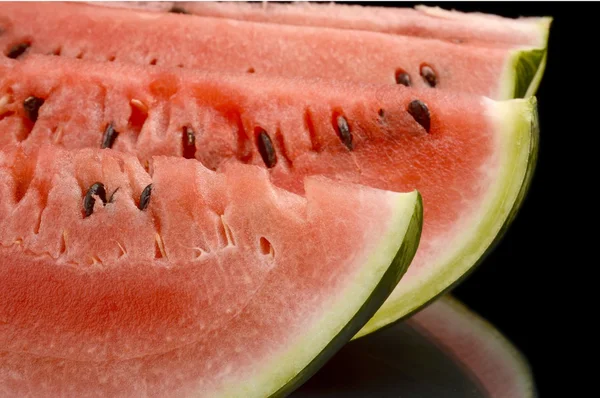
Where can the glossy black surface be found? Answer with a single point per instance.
(399, 361)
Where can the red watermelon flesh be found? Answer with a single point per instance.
(150, 38)
(206, 290)
(471, 28)
(422, 21)
(469, 166)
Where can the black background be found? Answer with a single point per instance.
(525, 287)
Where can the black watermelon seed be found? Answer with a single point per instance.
(344, 131)
(265, 147)
(403, 78)
(17, 50)
(32, 105)
(145, 197)
(178, 10)
(97, 189)
(188, 141)
(419, 111)
(110, 135)
(429, 75)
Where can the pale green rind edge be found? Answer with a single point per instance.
(383, 289)
(544, 26)
(525, 67)
(489, 333)
(525, 127)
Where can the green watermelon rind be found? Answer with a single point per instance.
(544, 25)
(525, 67)
(381, 291)
(523, 123)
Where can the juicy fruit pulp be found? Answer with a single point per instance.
(468, 156)
(71, 30)
(137, 300)
(423, 21)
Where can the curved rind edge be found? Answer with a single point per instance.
(386, 285)
(544, 25)
(522, 74)
(527, 124)
(525, 67)
(476, 323)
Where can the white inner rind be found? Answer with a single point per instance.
(490, 357)
(535, 26)
(471, 239)
(281, 368)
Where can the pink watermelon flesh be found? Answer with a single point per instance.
(423, 21)
(456, 166)
(226, 112)
(202, 290)
(149, 38)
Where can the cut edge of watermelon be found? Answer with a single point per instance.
(372, 285)
(456, 327)
(539, 24)
(544, 25)
(525, 67)
(518, 120)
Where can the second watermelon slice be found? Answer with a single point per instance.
(470, 157)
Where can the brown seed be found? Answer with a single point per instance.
(419, 111)
(145, 197)
(265, 147)
(32, 105)
(429, 75)
(97, 189)
(178, 10)
(188, 141)
(343, 131)
(110, 135)
(17, 50)
(402, 77)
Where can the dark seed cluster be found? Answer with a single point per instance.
(427, 73)
(98, 189)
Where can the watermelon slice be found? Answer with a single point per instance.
(422, 21)
(184, 281)
(470, 157)
(150, 38)
(443, 351)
